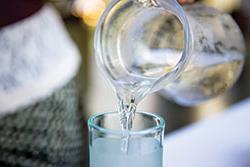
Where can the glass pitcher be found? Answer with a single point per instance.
(193, 52)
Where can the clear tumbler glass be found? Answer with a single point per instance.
(144, 142)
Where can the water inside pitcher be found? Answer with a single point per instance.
(193, 52)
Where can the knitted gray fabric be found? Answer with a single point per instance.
(48, 133)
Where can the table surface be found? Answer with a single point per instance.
(222, 141)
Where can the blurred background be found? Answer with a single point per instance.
(81, 17)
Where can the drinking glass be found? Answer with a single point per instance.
(144, 141)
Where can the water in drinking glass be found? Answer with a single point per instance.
(142, 152)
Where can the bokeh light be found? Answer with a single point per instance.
(89, 10)
(226, 5)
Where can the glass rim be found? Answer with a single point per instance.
(161, 125)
